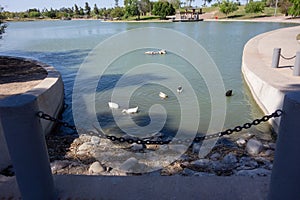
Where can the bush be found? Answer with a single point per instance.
(255, 7)
(227, 7)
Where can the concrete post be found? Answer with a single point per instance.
(285, 177)
(27, 147)
(276, 57)
(296, 71)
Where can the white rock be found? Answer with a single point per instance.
(201, 163)
(241, 142)
(137, 147)
(254, 172)
(129, 164)
(254, 147)
(85, 146)
(95, 140)
(96, 168)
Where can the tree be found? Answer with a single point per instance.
(295, 9)
(87, 9)
(116, 3)
(96, 10)
(76, 10)
(117, 12)
(175, 3)
(162, 9)
(81, 11)
(2, 24)
(51, 14)
(144, 6)
(227, 7)
(131, 8)
(189, 2)
(284, 6)
(255, 7)
(34, 13)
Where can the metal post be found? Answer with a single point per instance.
(276, 57)
(296, 71)
(285, 176)
(27, 147)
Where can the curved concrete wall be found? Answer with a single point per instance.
(269, 85)
(49, 96)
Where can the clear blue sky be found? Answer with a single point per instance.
(23, 5)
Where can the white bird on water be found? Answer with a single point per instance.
(113, 105)
(179, 89)
(130, 110)
(163, 95)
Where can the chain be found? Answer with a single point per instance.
(197, 139)
(290, 58)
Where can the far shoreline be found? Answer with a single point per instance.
(274, 19)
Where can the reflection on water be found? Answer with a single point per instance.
(65, 44)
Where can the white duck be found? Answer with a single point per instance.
(179, 89)
(163, 95)
(113, 105)
(130, 110)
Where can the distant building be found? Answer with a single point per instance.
(188, 15)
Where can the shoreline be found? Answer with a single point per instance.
(273, 19)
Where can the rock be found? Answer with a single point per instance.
(248, 136)
(268, 153)
(230, 159)
(247, 163)
(129, 164)
(188, 172)
(85, 138)
(201, 163)
(95, 140)
(58, 165)
(254, 172)
(137, 147)
(85, 146)
(241, 142)
(96, 168)
(272, 145)
(215, 156)
(254, 147)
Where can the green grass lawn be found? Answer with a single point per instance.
(241, 14)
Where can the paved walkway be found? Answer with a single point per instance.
(269, 85)
(146, 187)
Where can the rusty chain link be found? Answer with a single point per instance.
(197, 139)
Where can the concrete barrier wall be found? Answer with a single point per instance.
(269, 85)
(49, 94)
(267, 97)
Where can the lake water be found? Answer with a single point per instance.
(66, 44)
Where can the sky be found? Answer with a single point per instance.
(23, 5)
